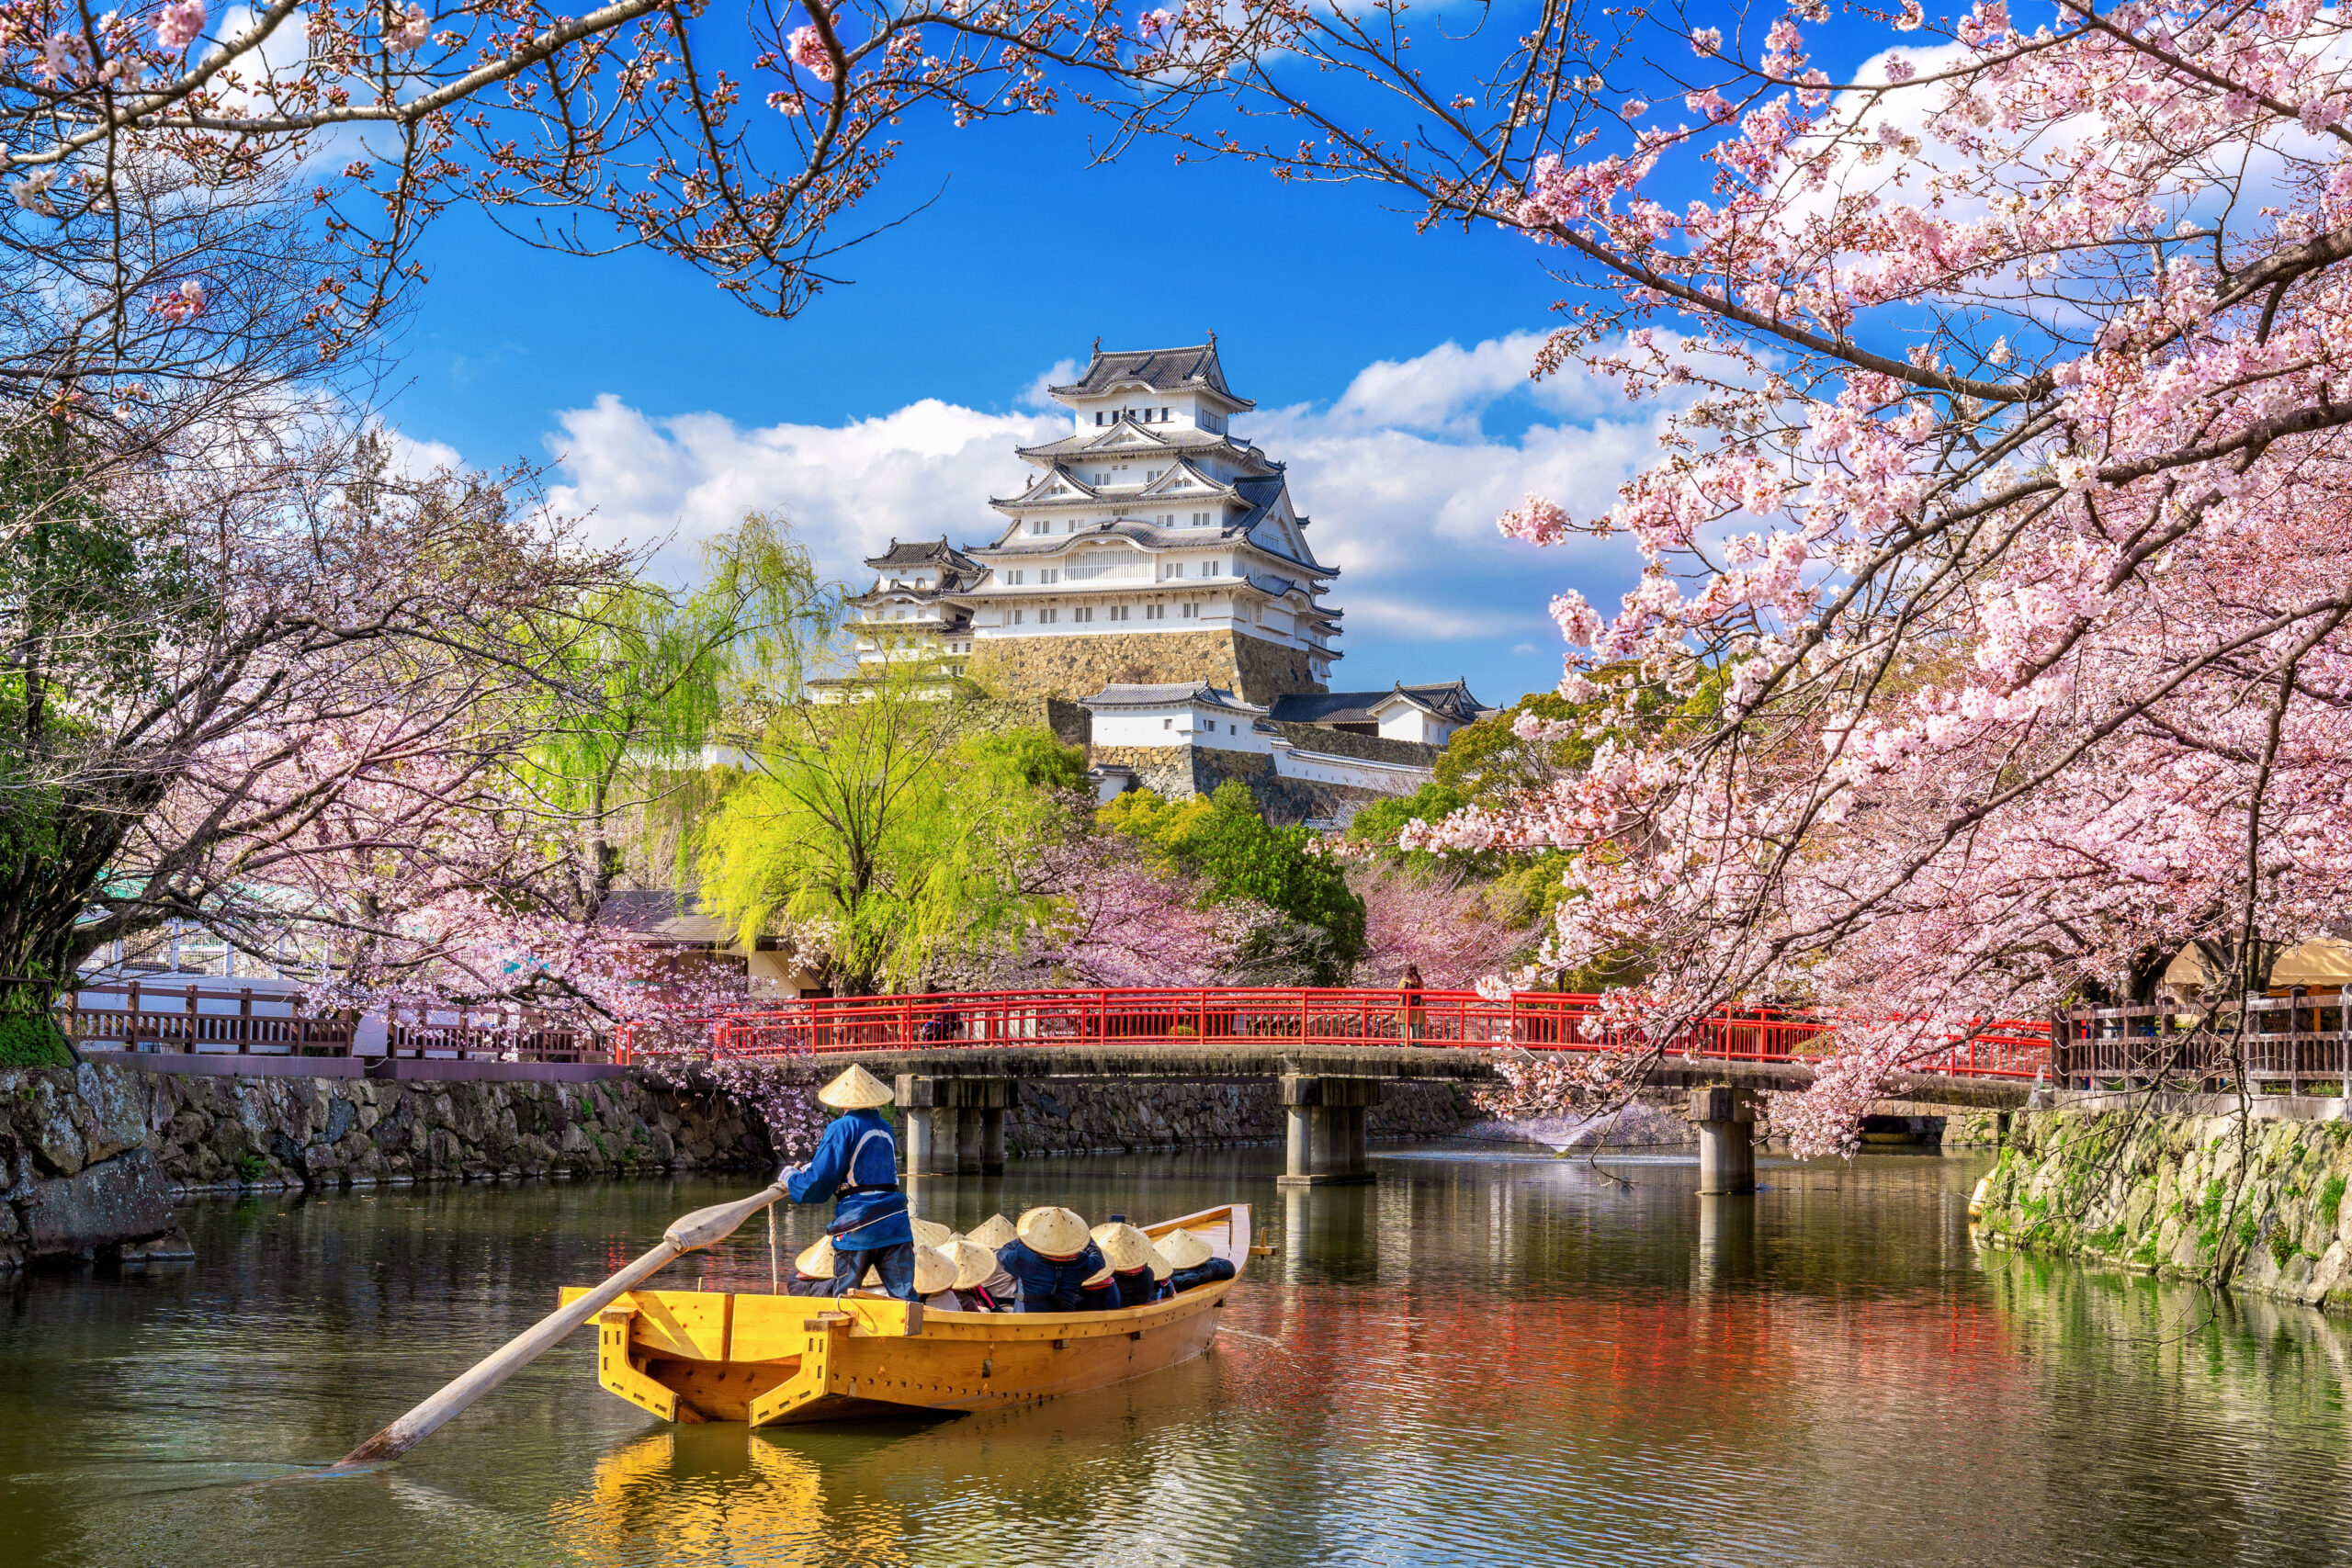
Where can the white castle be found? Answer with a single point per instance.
(1154, 570)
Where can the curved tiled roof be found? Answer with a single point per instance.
(1190, 369)
(1198, 692)
(1451, 701)
(923, 553)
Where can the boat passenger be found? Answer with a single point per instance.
(856, 1165)
(930, 1233)
(1128, 1252)
(812, 1271)
(992, 1232)
(935, 1279)
(1195, 1261)
(981, 1283)
(1050, 1258)
(1099, 1291)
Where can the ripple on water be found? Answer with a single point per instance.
(1494, 1356)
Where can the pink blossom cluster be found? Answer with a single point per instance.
(2023, 623)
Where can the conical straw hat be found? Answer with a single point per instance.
(993, 1232)
(1053, 1233)
(1099, 1277)
(1186, 1250)
(816, 1262)
(930, 1233)
(974, 1263)
(1125, 1246)
(856, 1090)
(934, 1271)
(1160, 1267)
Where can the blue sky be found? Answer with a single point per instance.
(1388, 367)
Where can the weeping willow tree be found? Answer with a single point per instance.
(628, 762)
(886, 827)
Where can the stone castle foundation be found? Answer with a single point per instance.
(1079, 664)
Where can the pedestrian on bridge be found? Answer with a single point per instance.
(1411, 1016)
(856, 1165)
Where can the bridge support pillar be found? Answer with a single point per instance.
(1326, 1130)
(954, 1126)
(1726, 1122)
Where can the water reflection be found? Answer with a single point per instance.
(1487, 1358)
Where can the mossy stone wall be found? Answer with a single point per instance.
(2253, 1205)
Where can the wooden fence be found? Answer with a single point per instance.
(2296, 1042)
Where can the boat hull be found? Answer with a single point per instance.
(780, 1361)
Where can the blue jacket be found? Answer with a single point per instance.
(1136, 1287)
(1046, 1284)
(857, 1150)
(1208, 1273)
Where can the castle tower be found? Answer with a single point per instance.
(1150, 545)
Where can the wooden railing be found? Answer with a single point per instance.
(2294, 1042)
(483, 1035)
(171, 1018)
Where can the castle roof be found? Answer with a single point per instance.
(1195, 693)
(1189, 369)
(923, 553)
(1451, 701)
(1126, 437)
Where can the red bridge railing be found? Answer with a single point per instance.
(1536, 1021)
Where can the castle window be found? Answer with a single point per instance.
(1098, 416)
(1192, 608)
(1155, 612)
(1016, 617)
(1050, 574)
(1167, 724)
(1047, 617)
(1175, 568)
(1012, 579)
(1083, 612)
(1118, 612)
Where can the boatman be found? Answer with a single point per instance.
(1051, 1258)
(856, 1165)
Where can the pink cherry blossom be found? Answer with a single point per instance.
(179, 24)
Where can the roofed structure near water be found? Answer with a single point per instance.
(1427, 714)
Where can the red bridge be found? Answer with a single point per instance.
(960, 1058)
(1300, 1018)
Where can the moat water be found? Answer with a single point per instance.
(1490, 1358)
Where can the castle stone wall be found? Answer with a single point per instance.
(1075, 665)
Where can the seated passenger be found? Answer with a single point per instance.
(935, 1279)
(1195, 1261)
(812, 1271)
(1050, 1258)
(1099, 1291)
(1128, 1251)
(991, 1232)
(981, 1283)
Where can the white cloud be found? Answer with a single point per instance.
(925, 470)
(1401, 482)
(1039, 394)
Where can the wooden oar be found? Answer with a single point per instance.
(703, 1228)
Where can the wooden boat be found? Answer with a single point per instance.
(694, 1356)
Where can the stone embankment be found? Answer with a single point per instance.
(94, 1156)
(2253, 1205)
(1114, 1116)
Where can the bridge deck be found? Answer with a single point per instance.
(1212, 1033)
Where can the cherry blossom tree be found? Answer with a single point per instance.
(736, 142)
(2000, 513)
(1439, 923)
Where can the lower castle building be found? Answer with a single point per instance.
(1154, 570)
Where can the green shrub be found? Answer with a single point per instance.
(33, 1040)
(250, 1167)
(2331, 1202)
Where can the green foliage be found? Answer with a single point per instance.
(33, 1040)
(1241, 857)
(890, 825)
(644, 692)
(1224, 840)
(250, 1167)
(2331, 1202)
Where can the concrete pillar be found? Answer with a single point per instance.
(953, 1126)
(1726, 1120)
(1324, 1130)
